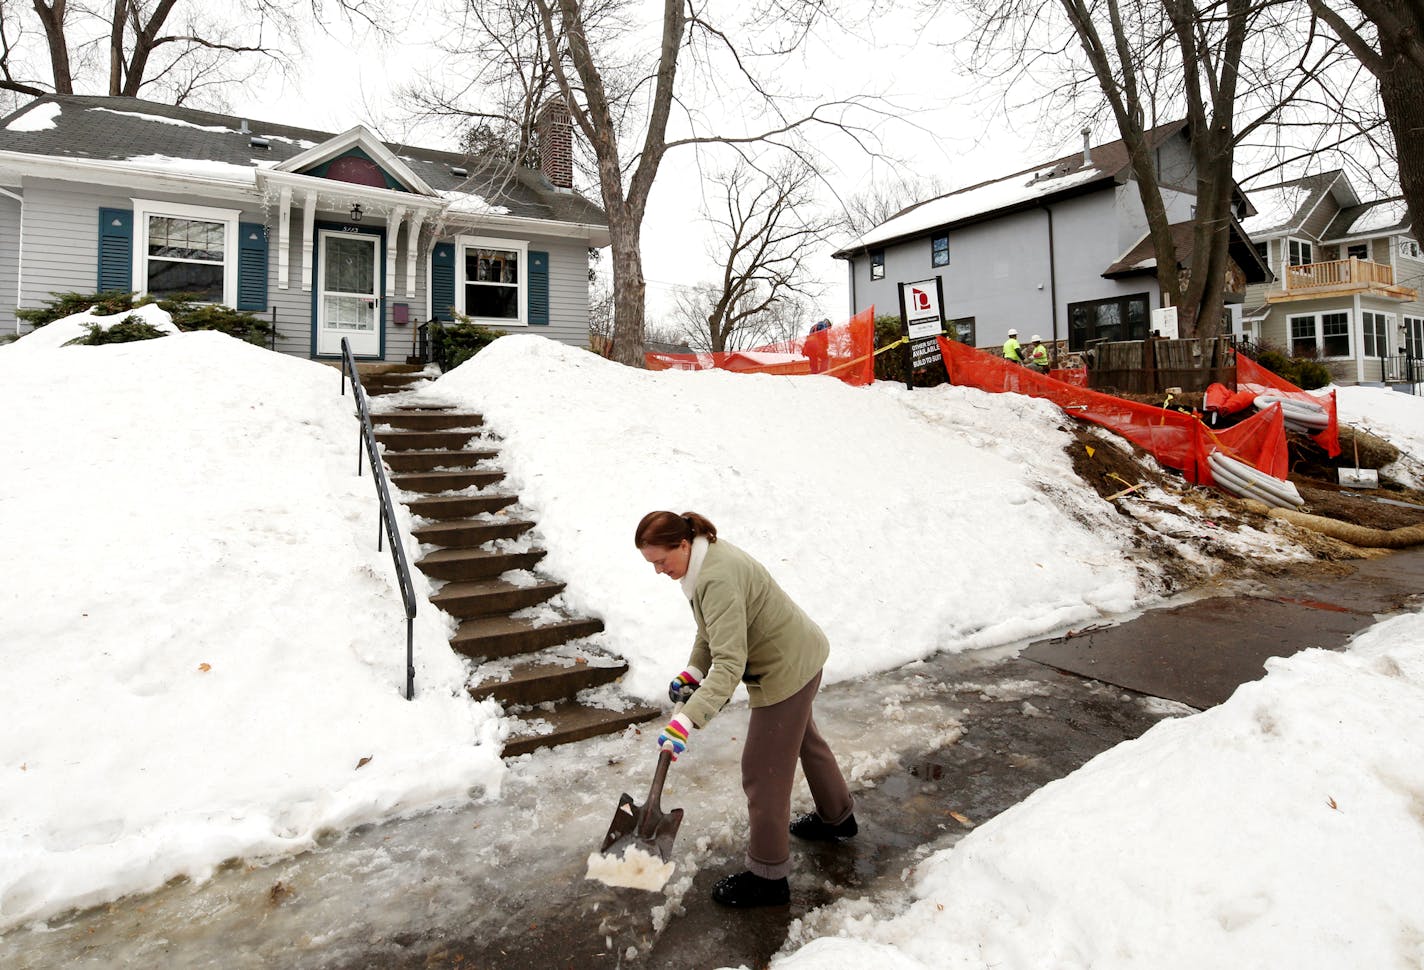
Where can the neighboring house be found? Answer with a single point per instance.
(1060, 249)
(1347, 278)
(327, 236)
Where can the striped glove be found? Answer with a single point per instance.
(682, 686)
(674, 736)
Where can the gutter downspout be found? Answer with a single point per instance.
(19, 253)
(1052, 284)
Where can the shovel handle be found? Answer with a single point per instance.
(652, 806)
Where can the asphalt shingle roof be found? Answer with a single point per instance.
(120, 129)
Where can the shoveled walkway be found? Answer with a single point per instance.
(1024, 724)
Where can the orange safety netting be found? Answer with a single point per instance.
(845, 351)
(1251, 375)
(1175, 439)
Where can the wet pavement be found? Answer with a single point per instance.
(932, 750)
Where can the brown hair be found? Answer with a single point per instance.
(667, 529)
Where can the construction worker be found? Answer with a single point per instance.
(1012, 351)
(1038, 355)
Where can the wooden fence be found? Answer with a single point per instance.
(1152, 366)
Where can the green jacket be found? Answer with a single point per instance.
(748, 631)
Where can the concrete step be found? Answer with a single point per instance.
(459, 565)
(460, 506)
(425, 440)
(492, 637)
(537, 682)
(464, 533)
(572, 722)
(415, 461)
(488, 597)
(449, 481)
(412, 420)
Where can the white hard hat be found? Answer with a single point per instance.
(1013, 332)
(1036, 339)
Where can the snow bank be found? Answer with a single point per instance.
(1281, 829)
(202, 645)
(1394, 416)
(904, 523)
(75, 327)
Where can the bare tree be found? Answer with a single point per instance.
(1388, 38)
(171, 50)
(1207, 63)
(765, 228)
(594, 71)
(869, 208)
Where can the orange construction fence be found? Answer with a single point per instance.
(1176, 439)
(845, 351)
(1251, 376)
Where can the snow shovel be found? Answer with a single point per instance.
(1358, 477)
(648, 827)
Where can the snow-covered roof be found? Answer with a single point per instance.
(979, 200)
(1377, 218)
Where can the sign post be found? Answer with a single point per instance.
(922, 320)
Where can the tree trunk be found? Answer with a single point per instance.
(1401, 80)
(53, 19)
(116, 47)
(629, 287)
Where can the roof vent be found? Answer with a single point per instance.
(1087, 148)
(257, 141)
(459, 170)
(243, 129)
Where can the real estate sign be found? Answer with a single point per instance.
(922, 317)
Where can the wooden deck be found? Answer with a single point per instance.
(1340, 277)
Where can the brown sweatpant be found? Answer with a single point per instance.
(777, 736)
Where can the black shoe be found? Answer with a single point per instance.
(812, 829)
(746, 890)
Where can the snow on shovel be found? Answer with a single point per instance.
(637, 851)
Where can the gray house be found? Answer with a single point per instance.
(1060, 249)
(1347, 278)
(326, 235)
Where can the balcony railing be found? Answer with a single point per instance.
(1338, 273)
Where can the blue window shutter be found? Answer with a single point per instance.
(442, 280)
(116, 249)
(251, 266)
(538, 288)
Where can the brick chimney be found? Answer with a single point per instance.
(556, 145)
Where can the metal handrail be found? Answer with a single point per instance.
(388, 515)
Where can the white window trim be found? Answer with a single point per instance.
(1406, 321)
(489, 242)
(143, 208)
(1319, 329)
(1302, 241)
(1391, 322)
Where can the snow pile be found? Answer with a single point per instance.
(903, 523)
(1282, 828)
(76, 327)
(204, 651)
(40, 117)
(1396, 417)
(633, 869)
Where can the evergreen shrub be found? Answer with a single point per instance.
(127, 330)
(187, 315)
(1303, 372)
(451, 344)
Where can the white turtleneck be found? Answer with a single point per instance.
(694, 566)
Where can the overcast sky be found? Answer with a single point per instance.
(932, 131)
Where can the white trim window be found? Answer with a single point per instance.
(1301, 252)
(1414, 337)
(1377, 327)
(1326, 334)
(492, 280)
(185, 249)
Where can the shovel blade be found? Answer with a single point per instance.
(653, 831)
(1359, 477)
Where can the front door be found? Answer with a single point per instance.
(348, 297)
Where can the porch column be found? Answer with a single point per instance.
(308, 238)
(1357, 339)
(412, 247)
(393, 225)
(284, 234)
